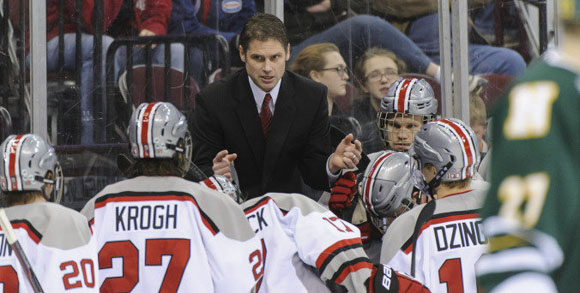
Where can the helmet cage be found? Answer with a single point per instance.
(389, 125)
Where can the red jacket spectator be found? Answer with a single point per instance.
(152, 15)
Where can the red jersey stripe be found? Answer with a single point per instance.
(439, 221)
(206, 222)
(31, 234)
(331, 249)
(351, 269)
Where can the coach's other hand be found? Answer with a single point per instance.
(221, 164)
(346, 155)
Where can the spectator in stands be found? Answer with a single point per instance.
(324, 64)
(202, 18)
(420, 21)
(145, 18)
(52, 52)
(478, 120)
(376, 70)
(309, 24)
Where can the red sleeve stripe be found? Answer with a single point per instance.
(91, 223)
(326, 256)
(260, 203)
(33, 234)
(467, 145)
(209, 183)
(370, 183)
(351, 267)
(408, 247)
(144, 131)
(102, 202)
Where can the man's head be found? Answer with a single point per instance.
(265, 49)
(444, 151)
(409, 103)
(159, 140)
(386, 188)
(29, 170)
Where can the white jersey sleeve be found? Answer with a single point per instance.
(449, 243)
(58, 244)
(307, 242)
(171, 234)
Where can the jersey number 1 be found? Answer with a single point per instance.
(450, 273)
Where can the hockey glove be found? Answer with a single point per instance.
(342, 193)
(384, 279)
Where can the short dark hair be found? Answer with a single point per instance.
(21, 197)
(263, 27)
(159, 167)
(154, 167)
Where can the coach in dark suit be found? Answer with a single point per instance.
(272, 122)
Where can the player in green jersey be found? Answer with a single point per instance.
(532, 211)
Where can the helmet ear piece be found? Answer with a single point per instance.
(56, 182)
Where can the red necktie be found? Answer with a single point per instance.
(266, 115)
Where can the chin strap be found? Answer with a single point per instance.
(430, 187)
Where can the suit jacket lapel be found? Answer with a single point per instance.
(248, 116)
(281, 122)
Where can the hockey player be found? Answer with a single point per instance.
(531, 211)
(304, 236)
(55, 239)
(439, 242)
(307, 248)
(409, 103)
(385, 191)
(172, 234)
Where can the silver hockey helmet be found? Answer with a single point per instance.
(407, 98)
(159, 130)
(450, 146)
(223, 185)
(29, 163)
(386, 187)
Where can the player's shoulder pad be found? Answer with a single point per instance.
(286, 202)
(51, 224)
(471, 200)
(215, 207)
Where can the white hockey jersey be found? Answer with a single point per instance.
(306, 245)
(58, 244)
(172, 235)
(449, 243)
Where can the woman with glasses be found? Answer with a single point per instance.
(375, 70)
(324, 64)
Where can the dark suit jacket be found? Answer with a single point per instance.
(298, 145)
